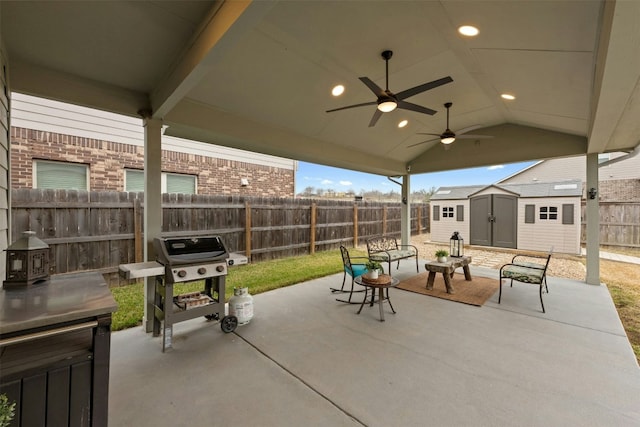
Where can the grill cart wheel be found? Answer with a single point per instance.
(229, 324)
(214, 316)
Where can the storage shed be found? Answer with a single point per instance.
(532, 216)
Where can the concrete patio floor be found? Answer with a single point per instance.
(307, 360)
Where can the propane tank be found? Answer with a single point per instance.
(241, 305)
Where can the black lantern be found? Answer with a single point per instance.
(456, 245)
(27, 261)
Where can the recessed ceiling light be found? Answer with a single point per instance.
(403, 123)
(468, 30)
(337, 90)
(508, 96)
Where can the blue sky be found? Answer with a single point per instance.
(329, 178)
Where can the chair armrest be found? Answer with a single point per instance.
(513, 260)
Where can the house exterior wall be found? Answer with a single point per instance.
(109, 144)
(442, 229)
(543, 234)
(619, 181)
(4, 156)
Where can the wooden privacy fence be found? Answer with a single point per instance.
(101, 230)
(619, 224)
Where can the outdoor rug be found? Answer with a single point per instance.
(475, 292)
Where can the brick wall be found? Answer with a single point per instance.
(627, 190)
(108, 160)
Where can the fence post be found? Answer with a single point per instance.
(137, 231)
(312, 230)
(247, 230)
(355, 225)
(384, 220)
(419, 218)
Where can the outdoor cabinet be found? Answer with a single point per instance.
(55, 343)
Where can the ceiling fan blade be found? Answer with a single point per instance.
(352, 106)
(415, 107)
(468, 129)
(375, 118)
(423, 142)
(423, 87)
(424, 133)
(377, 90)
(467, 136)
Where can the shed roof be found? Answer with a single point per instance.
(569, 188)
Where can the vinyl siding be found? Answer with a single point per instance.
(442, 230)
(575, 168)
(51, 116)
(541, 235)
(4, 157)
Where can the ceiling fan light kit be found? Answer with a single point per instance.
(388, 101)
(448, 136)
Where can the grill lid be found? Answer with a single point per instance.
(192, 250)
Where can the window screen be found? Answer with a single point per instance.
(185, 184)
(68, 176)
(134, 180)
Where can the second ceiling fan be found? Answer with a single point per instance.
(388, 101)
(448, 136)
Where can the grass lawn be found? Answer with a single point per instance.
(620, 278)
(259, 277)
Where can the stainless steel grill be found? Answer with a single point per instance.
(192, 259)
(181, 260)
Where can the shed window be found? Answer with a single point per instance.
(60, 175)
(460, 213)
(447, 212)
(567, 214)
(436, 212)
(549, 213)
(529, 214)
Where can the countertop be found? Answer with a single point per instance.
(63, 298)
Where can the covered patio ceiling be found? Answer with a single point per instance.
(258, 75)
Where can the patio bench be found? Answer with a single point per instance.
(386, 249)
(527, 272)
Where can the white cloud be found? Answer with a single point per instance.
(346, 183)
(326, 182)
(494, 167)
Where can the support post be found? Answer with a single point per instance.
(405, 212)
(593, 222)
(152, 204)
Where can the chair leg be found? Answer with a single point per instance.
(500, 294)
(344, 279)
(348, 301)
(541, 302)
(417, 267)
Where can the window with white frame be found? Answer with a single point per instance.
(549, 213)
(60, 175)
(171, 182)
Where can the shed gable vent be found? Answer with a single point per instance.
(443, 192)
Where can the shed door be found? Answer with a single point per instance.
(493, 220)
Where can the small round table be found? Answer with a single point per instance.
(384, 281)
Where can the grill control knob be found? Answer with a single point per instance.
(182, 273)
(202, 271)
(220, 268)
